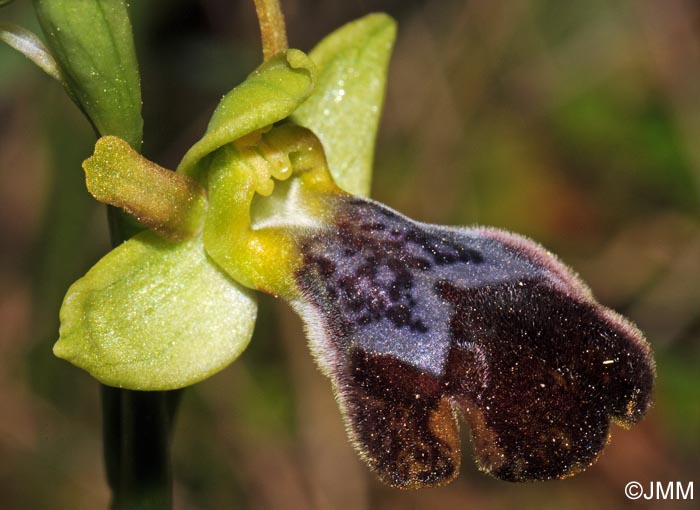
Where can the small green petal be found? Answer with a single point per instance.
(271, 93)
(346, 104)
(153, 315)
(169, 203)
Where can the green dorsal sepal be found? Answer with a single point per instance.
(271, 93)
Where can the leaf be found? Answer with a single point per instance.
(154, 315)
(271, 93)
(346, 104)
(93, 44)
(29, 45)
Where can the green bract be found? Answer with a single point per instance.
(93, 44)
(345, 108)
(156, 315)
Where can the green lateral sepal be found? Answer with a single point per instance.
(345, 107)
(154, 315)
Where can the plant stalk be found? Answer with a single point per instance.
(272, 27)
(137, 431)
(138, 425)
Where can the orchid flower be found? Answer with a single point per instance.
(415, 325)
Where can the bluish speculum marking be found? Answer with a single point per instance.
(380, 275)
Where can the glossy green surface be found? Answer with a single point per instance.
(345, 107)
(155, 315)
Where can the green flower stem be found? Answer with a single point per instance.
(137, 431)
(92, 44)
(272, 28)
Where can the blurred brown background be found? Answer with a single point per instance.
(576, 123)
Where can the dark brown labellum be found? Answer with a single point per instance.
(415, 323)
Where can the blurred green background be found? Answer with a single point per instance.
(575, 123)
